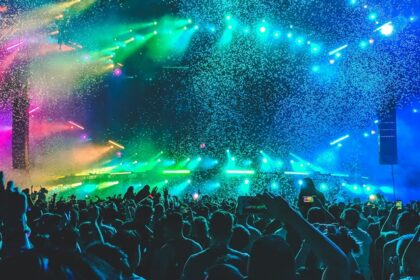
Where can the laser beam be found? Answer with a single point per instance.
(339, 140)
(181, 171)
(76, 125)
(338, 49)
(240, 172)
(116, 144)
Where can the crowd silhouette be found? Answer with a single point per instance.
(152, 235)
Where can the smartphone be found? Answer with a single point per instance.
(398, 204)
(251, 205)
(308, 199)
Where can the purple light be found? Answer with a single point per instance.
(118, 154)
(117, 72)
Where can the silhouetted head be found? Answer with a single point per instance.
(221, 223)
(129, 242)
(308, 184)
(315, 215)
(407, 222)
(240, 238)
(144, 214)
(172, 225)
(271, 258)
(351, 218)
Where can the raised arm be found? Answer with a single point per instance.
(337, 265)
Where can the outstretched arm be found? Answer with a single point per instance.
(336, 261)
(13, 205)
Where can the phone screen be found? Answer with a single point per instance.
(251, 205)
(398, 204)
(308, 199)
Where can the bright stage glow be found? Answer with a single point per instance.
(263, 29)
(240, 172)
(265, 160)
(315, 48)
(324, 187)
(181, 171)
(228, 18)
(230, 27)
(372, 16)
(316, 69)
(300, 182)
(387, 29)
(366, 135)
(76, 125)
(339, 140)
(363, 44)
(232, 158)
(372, 197)
(117, 72)
(116, 144)
(246, 182)
(190, 21)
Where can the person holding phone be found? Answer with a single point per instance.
(309, 196)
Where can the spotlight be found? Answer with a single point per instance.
(373, 132)
(199, 158)
(415, 110)
(274, 186)
(338, 55)
(195, 196)
(332, 61)
(155, 23)
(230, 27)
(246, 181)
(373, 16)
(196, 27)
(363, 44)
(366, 135)
(232, 158)
(265, 160)
(300, 182)
(289, 35)
(316, 69)
(190, 21)
(372, 197)
(355, 188)
(371, 41)
(155, 32)
(117, 72)
(189, 181)
(263, 29)
(185, 28)
(323, 186)
(387, 29)
(315, 48)
(299, 41)
(339, 145)
(228, 18)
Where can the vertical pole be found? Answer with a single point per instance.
(20, 119)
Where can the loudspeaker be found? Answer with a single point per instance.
(387, 137)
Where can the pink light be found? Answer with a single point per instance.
(34, 110)
(14, 46)
(117, 72)
(76, 125)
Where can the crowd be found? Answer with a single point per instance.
(152, 235)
